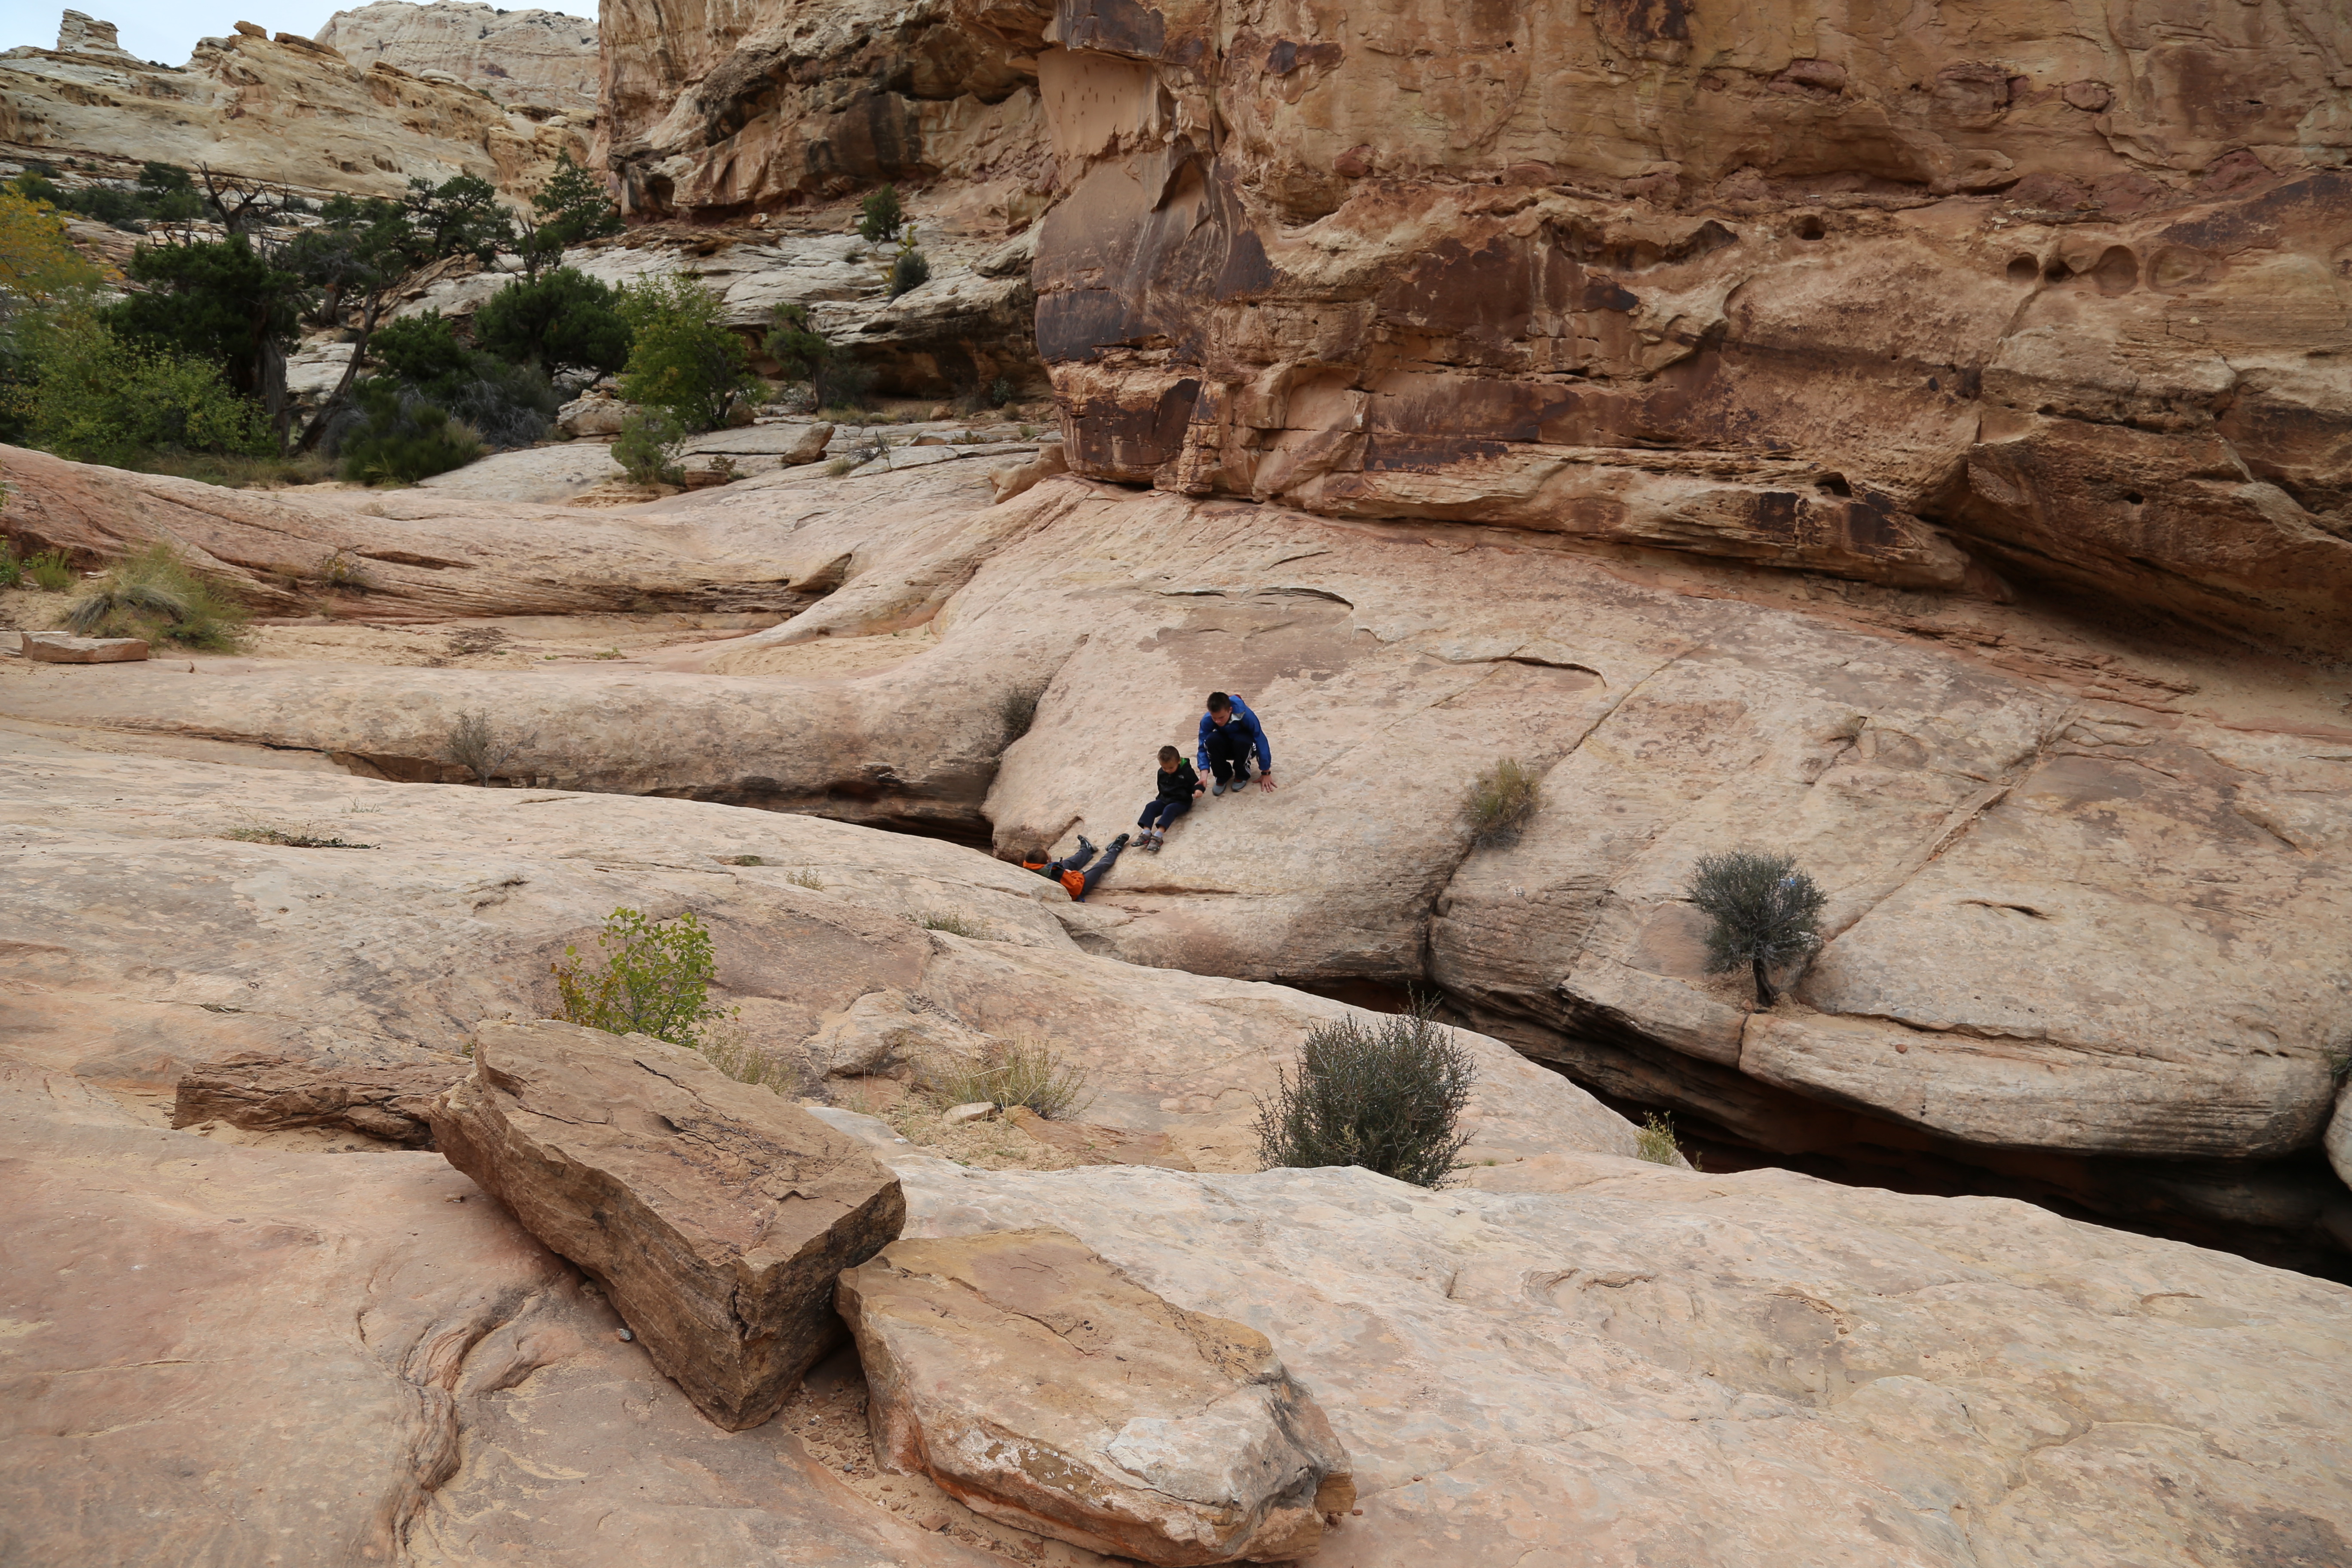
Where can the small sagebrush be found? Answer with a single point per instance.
(1502, 802)
(1764, 913)
(1655, 1140)
(955, 922)
(480, 747)
(1387, 1096)
(1024, 1071)
(1017, 711)
(153, 594)
(806, 876)
(651, 977)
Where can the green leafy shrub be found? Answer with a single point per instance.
(880, 215)
(1387, 1096)
(154, 595)
(12, 570)
(683, 360)
(565, 322)
(648, 448)
(1026, 1071)
(908, 270)
(1764, 913)
(95, 398)
(1501, 802)
(799, 350)
(653, 977)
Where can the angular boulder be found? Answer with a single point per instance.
(60, 647)
(715, 1214)
(360, 1090)
(1044, 1387)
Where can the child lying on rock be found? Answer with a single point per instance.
(1072, 870)
(1178, 783)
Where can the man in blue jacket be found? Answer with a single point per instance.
(1229, 732)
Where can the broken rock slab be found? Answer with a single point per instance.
(360, 1090)
(714, 1213)
(59, 648)
(1045, 1388)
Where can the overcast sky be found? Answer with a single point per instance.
(167, 30)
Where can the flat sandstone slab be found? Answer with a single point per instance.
(716, 1214)
(1044, 1387)
(58, 648)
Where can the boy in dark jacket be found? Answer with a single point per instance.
(1229, 732)
(1177, 783)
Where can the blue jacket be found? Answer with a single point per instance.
(1243, 727)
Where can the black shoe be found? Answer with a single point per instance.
(1086, 846)
(1118, 844)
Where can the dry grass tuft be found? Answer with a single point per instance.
(1502, 802)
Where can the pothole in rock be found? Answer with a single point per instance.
(828, 1415)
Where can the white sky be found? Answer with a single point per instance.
(165, 30)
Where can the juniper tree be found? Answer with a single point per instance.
(1765, 911)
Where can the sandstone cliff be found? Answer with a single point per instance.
(541, 59)
(283, 109)
(717, 108)
(2012, 303)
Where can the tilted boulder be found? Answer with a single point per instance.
(715, 1214)
(1044, 1387)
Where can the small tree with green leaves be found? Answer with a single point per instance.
(880, 215)
(683, 359)
(1765, 913)
(650, 977)
(1388, 1096)
(649, 447)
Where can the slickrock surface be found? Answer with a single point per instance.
(2084, 889)
(354, 1089)
(283, 109)
(543, 58)
(470, 894)
(1043, 1386)
(236, 1355)
(1910, 299)
(714, 1213)
(1641, 1366)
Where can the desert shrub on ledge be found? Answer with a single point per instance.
(1764, 914)
(651, 977)
(1387, 1096)
(153, 594)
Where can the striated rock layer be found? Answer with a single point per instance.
(717, 108)
(284, 109)
(534, 59)
(1837, 291)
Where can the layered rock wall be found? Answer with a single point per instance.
(721, 107)
(535, 58)
(284, 109)
(1913, 302)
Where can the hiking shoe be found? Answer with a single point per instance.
(1086, 846)
(1118, 843)
(1217, 789)
(1152, 842)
